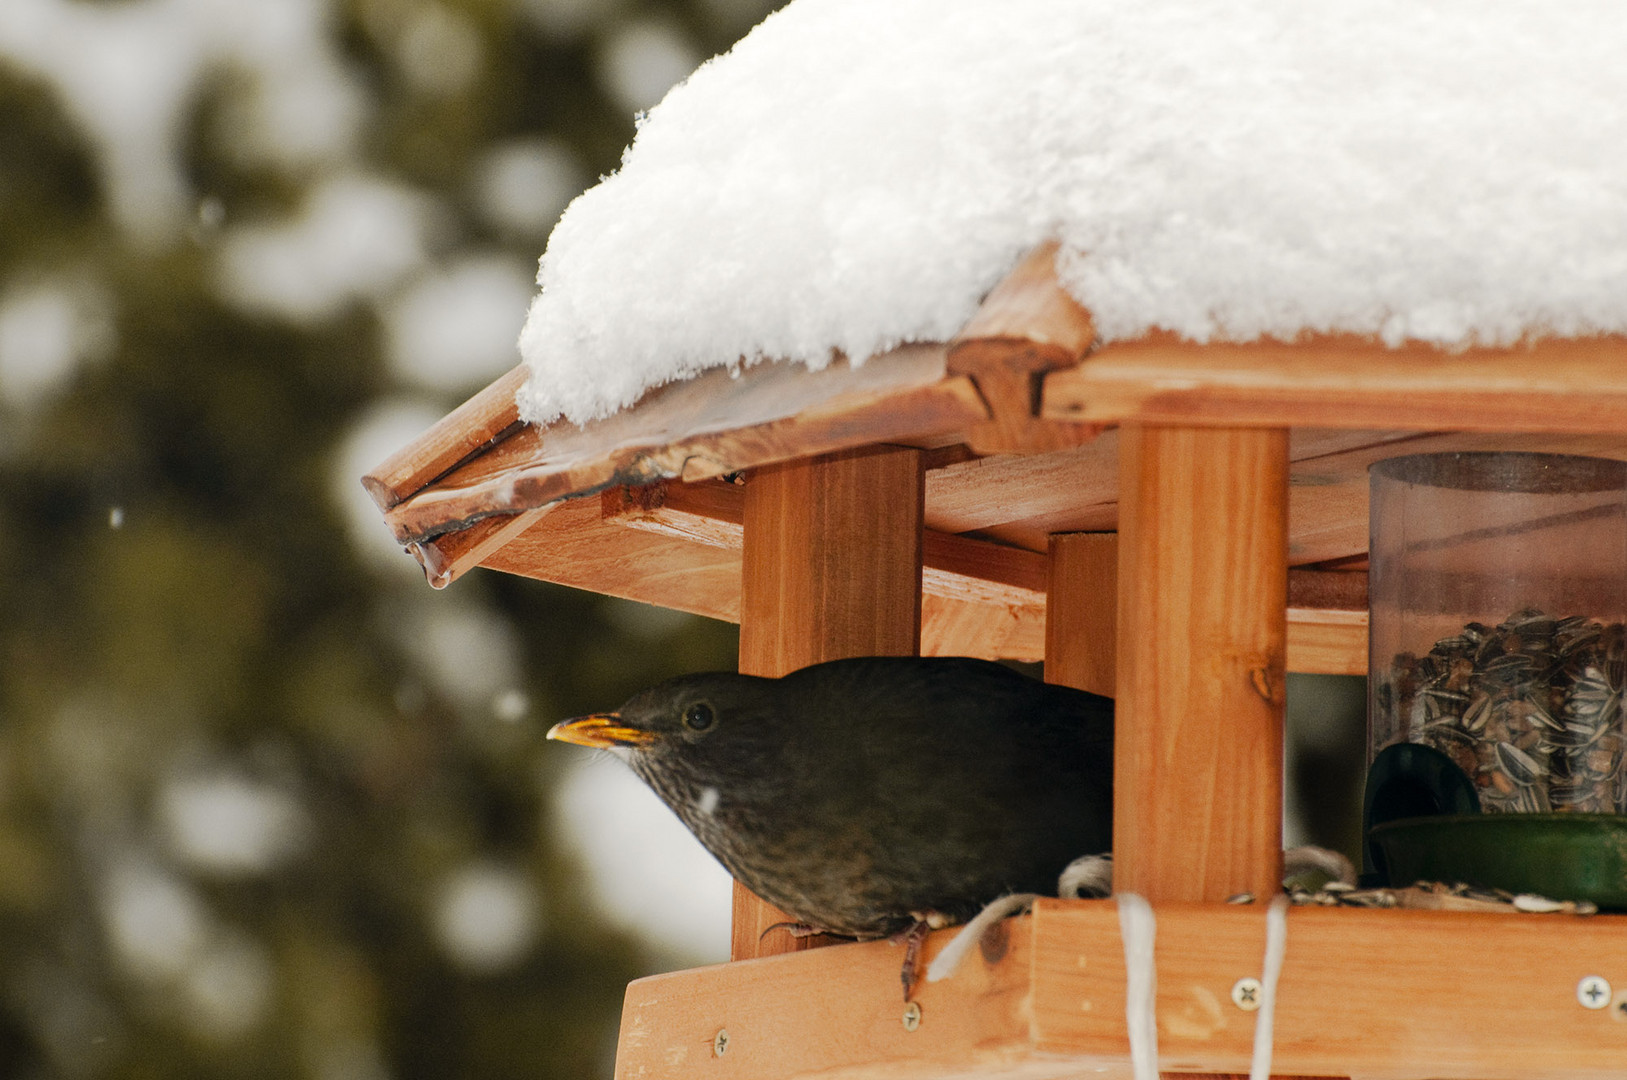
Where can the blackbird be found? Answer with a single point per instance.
(874, 795)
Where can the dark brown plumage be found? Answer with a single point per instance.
(862, 795)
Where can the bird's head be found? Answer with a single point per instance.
(681, 716)
(686, 737)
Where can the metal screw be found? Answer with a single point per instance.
(720, 1042)
(1246, 993)
(1593, 992)
(912, 1016)
(1619, 1008)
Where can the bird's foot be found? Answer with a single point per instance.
(912, 937)
(795, 929)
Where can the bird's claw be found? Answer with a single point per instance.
(912, 937)
(795, 929)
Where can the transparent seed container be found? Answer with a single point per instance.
(1498, 593)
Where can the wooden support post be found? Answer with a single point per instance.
(1082, 612)
(1202, 622)
(831, 568)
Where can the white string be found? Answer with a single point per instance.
(1276, 947)
(945, 963)
(1139, 927)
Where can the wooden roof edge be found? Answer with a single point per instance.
(1027, 326)
(1027, 323)
(467, 431)
(1548, 385)
(912, 411)
(1028, 319)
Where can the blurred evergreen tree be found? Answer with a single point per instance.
(190, 633)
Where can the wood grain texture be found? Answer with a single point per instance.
(1202, 627)
(1347, 1002)
(833, 1013)
(574, 546)
(1325, 641)
(951, 627)
(830, 568)
(1051, 1004)
(1027, 326)
(1082, 612)
(706, 426)
(978, 599)
(1558, 385)
(479, 423)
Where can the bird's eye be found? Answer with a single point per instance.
(699, 716)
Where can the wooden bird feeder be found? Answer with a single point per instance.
(1173, 524)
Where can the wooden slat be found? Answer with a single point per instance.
(1023, 500)
(706, 426)
(1027, 326)
(979, 599)
(830, 568)
(977, 494)
(1082, 612)
(956, 567)
(574, 546)
(478, 423)
(833, 1013)
(1202, 627)
(447, 558)
(1382, 994)
(952, 627)
(1327, 642)
(1557, 385)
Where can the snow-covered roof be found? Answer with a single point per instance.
(853, 175)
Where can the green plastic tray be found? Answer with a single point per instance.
(1560, 856)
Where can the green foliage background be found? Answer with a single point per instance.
(229, 618)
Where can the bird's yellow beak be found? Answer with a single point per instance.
(601, 730)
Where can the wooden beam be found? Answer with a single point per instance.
(679, 547)
(1082, 612)
(830, 568)
(573, 545)
(1027, 326)
(1556, 385)
(1047, 1000)
(707, 426)
(479, 423)
(1203, 520)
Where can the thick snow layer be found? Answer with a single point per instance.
(853, 175)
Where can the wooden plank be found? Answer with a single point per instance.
(707, 426)
(833, 1013)
(448, 557)
(1375, 993)
(1027, 326)
(952, 627)
(1328, 503)
(1554, 385)
(1325, 641)
(482, 421)
(1202, 627)
(574, 546)
(830, 568)
(986, 491)
(1023, 499)
(979, 599)
(1380, 994)
(1082, 612)
(955, 567)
